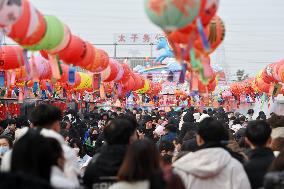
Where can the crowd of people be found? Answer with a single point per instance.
(123, 149)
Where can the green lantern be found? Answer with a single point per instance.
(53, 36)
(171, 15)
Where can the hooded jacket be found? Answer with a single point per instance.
(212, 168)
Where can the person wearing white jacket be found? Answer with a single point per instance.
(46, 118)
(212, 166)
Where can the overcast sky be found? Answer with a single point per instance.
(254, 37)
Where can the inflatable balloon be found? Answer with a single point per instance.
(172, 15)
(11, 57)
(53, 36)
(74, 52)
(10, 12)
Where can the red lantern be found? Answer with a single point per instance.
(126, 74)
(139, 84)
(44, 54)
(129, 85)
(37, 34)
(104, 61)
(262, 86)
(88, 57)
(74, 52)
(111, 72)
(19, 29)
(11, 57)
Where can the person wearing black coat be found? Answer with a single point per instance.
(188, 124)
(260, 157)
(104, 166)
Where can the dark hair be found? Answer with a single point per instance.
(178, 140)
(188, 117)
(278, 163)
(171, 128)
(258, 132)
(34, 155)
(190, 134)
(147, 118)
(11, 121)
(261, 113)
(167, 146)
(167, 159)
(262, 117)
(250, 111)
(276, 121)
(119, 131)
(8, 139)
(211, 130)
(237, 121)
(44, 115)
(233, 118)
(137, 166)
(242, 118)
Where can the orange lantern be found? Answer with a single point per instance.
(215, 32)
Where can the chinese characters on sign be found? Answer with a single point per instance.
(136, 38)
